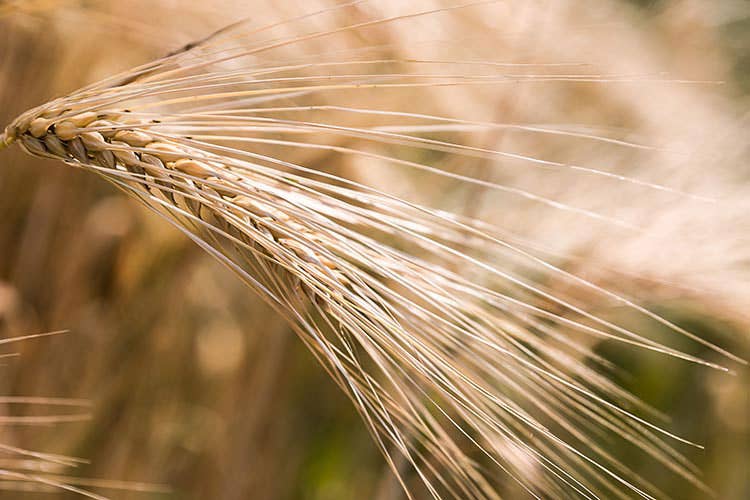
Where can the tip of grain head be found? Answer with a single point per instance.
(5, 140)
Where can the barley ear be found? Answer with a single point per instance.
(468, 350)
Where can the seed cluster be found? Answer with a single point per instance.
(179, 176)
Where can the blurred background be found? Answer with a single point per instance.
(198, 390)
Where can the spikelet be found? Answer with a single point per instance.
(442, 330)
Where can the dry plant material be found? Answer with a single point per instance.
(28, 470)
(443, 331)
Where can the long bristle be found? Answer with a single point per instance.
(464, 348)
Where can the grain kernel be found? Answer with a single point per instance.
(77, 149)
(35, 146)
(127, 158)
(82, 119)
(39, 126)
(166, 151)
(55, 145)
(194, 168)
(152, 160)
(134, 138)
(66, 130)
(105, 158)
(94, 141)
(107, 128)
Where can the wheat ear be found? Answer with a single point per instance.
(457, 365)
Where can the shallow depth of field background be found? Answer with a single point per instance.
(195, 384)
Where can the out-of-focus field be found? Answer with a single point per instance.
(197, 386)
